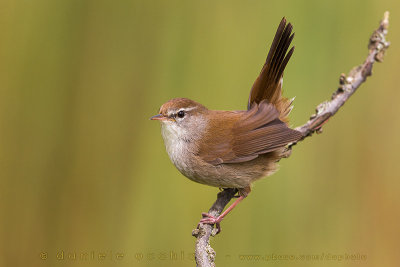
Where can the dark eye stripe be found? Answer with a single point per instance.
(174, 113)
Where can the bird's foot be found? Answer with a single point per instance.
(209, 219)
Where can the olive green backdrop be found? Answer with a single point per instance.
(84, 171)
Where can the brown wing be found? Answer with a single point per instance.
(268, 84)
(257, 131)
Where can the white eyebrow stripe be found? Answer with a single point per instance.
(184, 109)
(188, 109)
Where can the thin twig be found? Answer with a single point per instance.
(205, 254)
(349, 84)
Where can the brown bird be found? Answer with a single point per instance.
(232, 149)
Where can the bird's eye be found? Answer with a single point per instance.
(181, 114)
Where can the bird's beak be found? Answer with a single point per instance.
(158, 117)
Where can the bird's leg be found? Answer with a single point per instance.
(209, 219)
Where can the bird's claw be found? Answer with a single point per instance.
(209, 219)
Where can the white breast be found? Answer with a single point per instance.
(177, 145)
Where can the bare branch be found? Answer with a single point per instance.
(205, 255)
(349, 84)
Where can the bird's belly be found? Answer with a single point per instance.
(235, 175)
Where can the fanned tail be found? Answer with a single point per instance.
(268, 84)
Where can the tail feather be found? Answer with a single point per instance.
(268, 84)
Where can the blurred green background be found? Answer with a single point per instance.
(83, 170)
